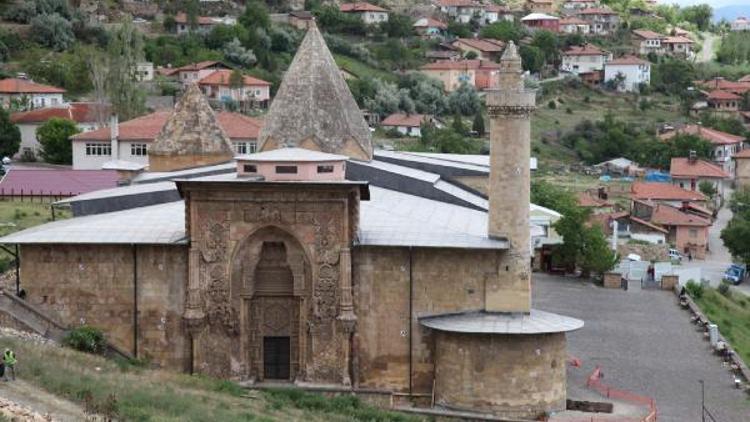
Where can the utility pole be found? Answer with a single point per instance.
(703, 401)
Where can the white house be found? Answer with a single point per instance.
(204, 24)
(495, 12)
(603, 21)
(461, 10)
(429, 28)
(633, 70)
(648, 42)
(144, 71)
(584, 59)
(741, 24)
(24, 94)
(369, 13)
(408, 124)
(678, 46)
(574, 25)
(194, 72)
(216, 86)
(725, 145)
(87, 116)
(131, 140)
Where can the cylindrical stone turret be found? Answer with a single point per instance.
(509, 108)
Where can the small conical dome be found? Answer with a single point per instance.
(191, 136)
(314, 108)
(510, 68)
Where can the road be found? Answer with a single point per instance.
(709, 45)
(719, 258)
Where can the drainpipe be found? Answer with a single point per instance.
(135, 301)
(114, 133)
(411, 307)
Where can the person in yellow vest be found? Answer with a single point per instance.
(9, 359)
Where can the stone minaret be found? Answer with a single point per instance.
(509, 190)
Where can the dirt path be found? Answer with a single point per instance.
(707, 53)
(30, 397)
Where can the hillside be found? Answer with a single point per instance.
(131, 392)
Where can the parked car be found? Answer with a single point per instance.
(735, 274)
(675, 255)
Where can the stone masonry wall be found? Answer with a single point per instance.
(443, 280)
(93, 285)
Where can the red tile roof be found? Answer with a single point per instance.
(587, 201)
(663, 191)
(627, 60)
(718, 94)
(78, 112)
(666, 215)
(457, 3)
(400, 119)
(221, 77)
(745, 78)
(46, 182)
(460, 65)
(487, 45)
(585, 50)
(745, 153)
(683, 167)
(738, 87)
(649, 224)
(360, 7)
(714, 136)
(430, 23)
(181, 17)
(647, 35)
(677, 40)
(596, 11)
(145, 128)
(25, 86)
(198, 66)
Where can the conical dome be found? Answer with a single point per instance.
(314, 108)
(191, 137)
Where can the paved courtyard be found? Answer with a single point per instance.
(645, 344)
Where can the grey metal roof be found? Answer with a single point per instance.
(482, 322)
(152, 177)
(162, 224)
(119, 191)
(471, 163)
(393, 218)
(122, 198)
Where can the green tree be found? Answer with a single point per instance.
(725, 124)
(736, 235)
(54, 136)
(672, 76)
(236, 79)
(125, 50)
(397, 26)
(548, 43)
(532, 58)
(52, 31)
(458, 126)
(700, 15)
(503, 30)
(10, 135)
(255, 16)
(169, 23)
(707, 188)
(191, 11)
(464, 100)
(478, 124)
(459, 30)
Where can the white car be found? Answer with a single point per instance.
(675, 255)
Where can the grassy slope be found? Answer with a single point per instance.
(15, 216)
(732, 315)
(625, 107)
(141, 394)
(362, 70)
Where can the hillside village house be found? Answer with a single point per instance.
(24, 94)
(485, 48)
(573, 25)
(408, 124)
(87, 116)
(313, 262)
(687, 232)
(461, 10)
(133, 139)
(144, 71)
(540, 6)
(369, 13)
(480, 74)
(602, 21)
(741, 24)
(647, 42)
(584, 59)
(633, 70)
(496, 12)
(537, 21)
(665, 193)
(739, 87)
(678, 46)
(723, 102)
(216, 86)
(204, 24)
(689, 172)
(429, 28)
(725, 145)
(300, 19)
(192, 73)
(573, 5)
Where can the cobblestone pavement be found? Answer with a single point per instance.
(645, 344)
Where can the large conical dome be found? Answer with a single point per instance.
(191, 136)
(314, 108)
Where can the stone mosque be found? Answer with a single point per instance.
(317, 261)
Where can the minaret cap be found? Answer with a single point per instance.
(510, 69)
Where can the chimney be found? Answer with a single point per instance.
(509, 108)
(114, 133)
(692, 157)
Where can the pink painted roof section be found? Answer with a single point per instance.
(83, 112)
(718, 94)
(360, 7)
(400, 119)
(677, 40)
(145, 128)
(56, 182)
(427, 22)
(647, 35)
(25, 86)
(221, 77)
(683, 167)
(488, 45)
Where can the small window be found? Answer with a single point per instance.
(138, 150)
(240, 147)
(325, 169)
(250, 168)
(286, 169)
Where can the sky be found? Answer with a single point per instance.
(713, 3)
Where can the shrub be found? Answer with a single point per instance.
(724, 289)
(552, 104)
(587, 99)
(695, 290)
(86, 339)
(569, 110)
